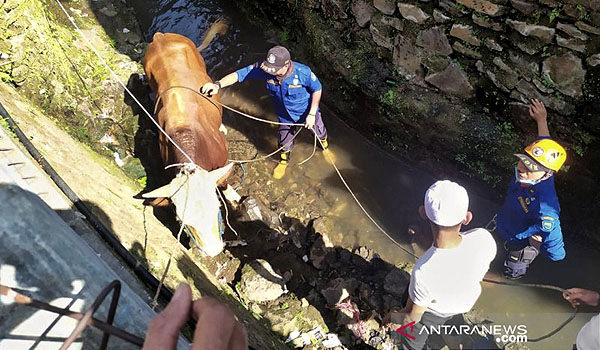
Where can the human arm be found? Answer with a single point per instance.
(314, 107)
(214, 88)
(578, 296)
(537, 111)
(216, 327)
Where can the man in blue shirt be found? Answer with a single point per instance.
(529, 219)
(295, 91)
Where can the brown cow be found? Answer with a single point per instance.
(194, 123)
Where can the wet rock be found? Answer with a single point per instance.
(396, 282)
(381, 34)
(587, 28)
(317, 253)
(110, 10)
(540, 86)
(257, 211)
(529, 46)
(525, 91)
(591, 4)
(593, 60)
(493, 45)
(434, 40)
(413, 13)
(335, 9)
(393, 22)
(571, 43)
(345, 256)
(362, 11)
(453, 8)
(572, 31)
(387, 7)
(541, 33)
(406, 56)
(224, 266)
(526, 67)
(550, 3)
(464, 33)
(260, 283)
(440, 17)
(460, 48)
(291, 316)
(452, 80)
(390, 302)
(338, 290)
(485, 22)
(526, 7)
(483, 6)
(567, 73)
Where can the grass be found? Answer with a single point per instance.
(554, 14)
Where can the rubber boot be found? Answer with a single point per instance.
(326, 151)
(279, 170)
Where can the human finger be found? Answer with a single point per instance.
(163, 330)
(215, 325)
(239, 338)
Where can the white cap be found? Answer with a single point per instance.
(446, 203)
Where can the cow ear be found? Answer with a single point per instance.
(220, 174)
(161, 192)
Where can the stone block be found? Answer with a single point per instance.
(452, 80)
(542, 33)
(462, 49)
(362, 10)
(464, 33)
(413, 13)
(387, 7)
(567, 73)
(483, 6)
(434, 40)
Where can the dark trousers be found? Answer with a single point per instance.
(287, 132)
(418, 343)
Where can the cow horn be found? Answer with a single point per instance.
(221, 174)
(161, 192)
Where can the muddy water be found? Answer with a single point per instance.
(388, 188)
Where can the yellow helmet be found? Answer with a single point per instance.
(548, 153)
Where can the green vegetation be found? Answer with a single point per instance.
(554, 14)
(389, 97)
(545, 51)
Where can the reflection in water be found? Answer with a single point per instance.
(388, 188)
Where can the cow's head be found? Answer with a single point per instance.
(197, 206)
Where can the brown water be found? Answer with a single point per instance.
(390, 189)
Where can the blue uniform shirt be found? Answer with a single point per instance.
(533, 210)
(292, 97)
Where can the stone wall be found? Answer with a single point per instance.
(446, 83)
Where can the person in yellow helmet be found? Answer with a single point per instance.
(529, 219)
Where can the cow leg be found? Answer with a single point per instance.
(223, 129)
(231, 195)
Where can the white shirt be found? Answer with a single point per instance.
(447, 281)
(589, 335)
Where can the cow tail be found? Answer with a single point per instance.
(219, 26)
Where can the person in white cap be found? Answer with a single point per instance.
(588, 337)
(446, 278)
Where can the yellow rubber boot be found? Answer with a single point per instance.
(329, 155)
(279, 170)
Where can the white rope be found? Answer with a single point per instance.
(116, 77)
(227, 214)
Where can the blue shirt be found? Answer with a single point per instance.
(533, 210)
(292, 97)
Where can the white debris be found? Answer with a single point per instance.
(293, 335)
(107, 139)
(305, 258)
(118, 159)
(75, 11)
(332, 341)
(42, 91)
(125, 30)
(4, 56)
(103, 115)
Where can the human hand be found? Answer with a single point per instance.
(578, 296)
(209, 89)
(394, 319)
(216, 327)
(310, 121)
(537, 110)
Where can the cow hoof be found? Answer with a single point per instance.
(232, 196)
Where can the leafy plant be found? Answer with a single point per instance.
(388, 97)
(554, 14)
(545, 52)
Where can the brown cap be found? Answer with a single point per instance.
(277, 57)
(531, 164)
